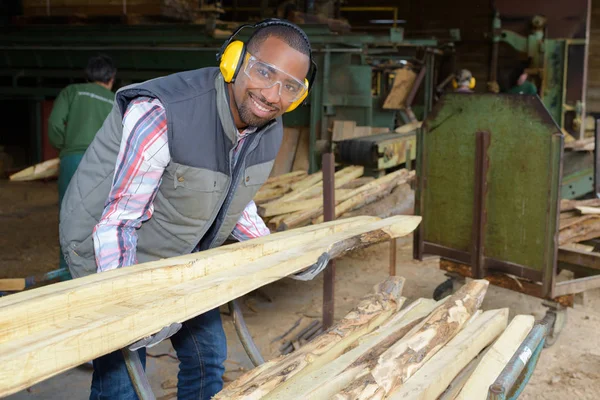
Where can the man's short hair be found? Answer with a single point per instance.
(100, 69)
(287, 34)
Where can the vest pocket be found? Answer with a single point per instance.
(193, 192)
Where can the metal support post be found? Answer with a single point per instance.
(328, 215)
(482, 163)
(597, 157)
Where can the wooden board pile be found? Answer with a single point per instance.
(296, 199)
(579, 221)
(428, 350)
(51, 329)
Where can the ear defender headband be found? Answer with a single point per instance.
(471, 83)
(233, 52)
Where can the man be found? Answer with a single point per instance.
(523, 85)
(173, 170)
(77, 114)
(464, 82)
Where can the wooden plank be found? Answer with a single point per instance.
(287, 151)
(279, 208)
(264, 195)
(398, 363)
(403, 83)
(586, 210)
(343, 130)
(82, 329)
(46, 169)
(286, 178)
(408, 128)
(476, 387)
(12, 284)
(371, 311)
(301, 161)
(323, 383)
(146, 277)
(570, 205)
(585, 258)
(370, 189)
(576, 285)
(586, 230)
(309, 181)
(567, 222)
(433, 378)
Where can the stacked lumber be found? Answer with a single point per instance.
(43, 170)
(295, 199)
(579, 221)
(51, 329)
(383, 351)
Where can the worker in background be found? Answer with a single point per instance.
(464, 82)
(173, 170)
(77, 114)
(523, 85)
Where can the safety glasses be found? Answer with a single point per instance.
(267, 76)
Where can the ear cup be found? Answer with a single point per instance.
(472, 83)
(296, 103)
(231, 60)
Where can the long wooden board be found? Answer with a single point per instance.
(105, 320)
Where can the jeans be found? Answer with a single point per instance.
(201, 347)
(68, 166)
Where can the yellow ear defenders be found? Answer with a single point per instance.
(233, 52)
(471, 83)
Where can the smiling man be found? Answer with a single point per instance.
(173, 170)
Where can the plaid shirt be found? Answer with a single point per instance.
(142, 158)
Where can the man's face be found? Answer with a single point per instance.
(257, 105)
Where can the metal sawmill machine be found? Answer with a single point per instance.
(495, 214)
(557, 66)
(37, 61)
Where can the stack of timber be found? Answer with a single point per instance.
(295, 199)
(381, 350)
(44, 170)
(51, 329)
(579, 221)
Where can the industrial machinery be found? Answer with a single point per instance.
(557, 64)
(493, 212)
(39, 60)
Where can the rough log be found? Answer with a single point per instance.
(571, 205)
(321, 384)
(370, 312)
(290, 177)
(579, 232)
(403, 359)
(371, 190)
(496, 358)
(432, 379)
(287, 207)
(81, 328)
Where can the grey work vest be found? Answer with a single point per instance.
(201, 195)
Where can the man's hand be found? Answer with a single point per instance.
(155, 339)
(314, 270)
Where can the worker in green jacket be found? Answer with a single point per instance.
(78, 113)
(523, 85)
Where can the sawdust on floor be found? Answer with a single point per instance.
(29, 245)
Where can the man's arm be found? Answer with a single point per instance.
(57, 122)
(250, 225)
(140, 164)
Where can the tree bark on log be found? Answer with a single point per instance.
(370, 312)
(322, 383)
(81, 328)
(492, 364)
(434, 377)
(403, 359)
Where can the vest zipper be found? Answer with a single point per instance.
(235, 177)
